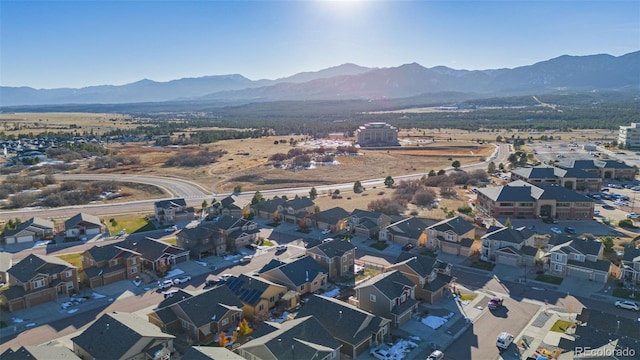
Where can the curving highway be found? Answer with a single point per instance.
(194, 194)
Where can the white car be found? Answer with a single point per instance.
(633, 216)
(166, 284)
(504, 340)
(556, 230)
(436, 355)
(281, 247)
(224, 277)
(182, 279)
(626, 304)
(380, 354)
(326, 231)
(171, 229)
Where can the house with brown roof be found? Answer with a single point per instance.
(390, 295)
(411, 230)
(83, 225)
(34, 229)
(452, 236)
(122, 336)
(355, 329)
(103, 265)
(156, 254)
(303, 275)
(171, 211)
(38, 279)
(300, 338)
(336, 257)
(430, 275)
(258, 295)
(202, 316)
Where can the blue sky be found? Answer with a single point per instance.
(50, 44)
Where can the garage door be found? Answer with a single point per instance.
(507, 260)
(10, 240)
(24, 239)
(600, 277)
(94, 231)
(579, 273)
(448, 248)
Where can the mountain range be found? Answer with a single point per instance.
(349, 81)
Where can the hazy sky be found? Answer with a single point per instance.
(49, 44)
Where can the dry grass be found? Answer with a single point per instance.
(25, 123)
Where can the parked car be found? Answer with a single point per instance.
(171, 229)
(569, 230)
(165, 284)
(494, 303)
(608, 207)
(282, 247)
(504, 340)
(246, 259)
(326, 231)
(633, 216)
(224, 277)
(626, 304)
(380, 354)
(408, 247)
(436, 355)
(182, 279)
(556, 230)
(596, 212)
(550, 220)
(211, 282)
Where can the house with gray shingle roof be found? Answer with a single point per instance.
(303, 275)
(300, 338)
(258, 295)
(156, 254)
(508, 245)
(237, 232)
(270, 209)
(298, 210)
(355, 329)
(430, 275)
(83, 225)
(103, 265)
(452, 236)
(31, 230)
(604, 169)
(570, 178)
(210, 353)
(390, 295)
(202, 316)
(170, 211)
(630, 268)
(336, 257)
(519, 199)
(334, 219)
(579, 258)
(233, 205)
(38, 279)
(410, 230)
(203, 240)
(6, 262)
(122, 336)
(367, 223)
(39, 352)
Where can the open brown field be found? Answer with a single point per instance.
(25, 123)
(246, 163)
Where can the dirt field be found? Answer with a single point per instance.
(25, 123)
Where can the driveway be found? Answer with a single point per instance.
(479, 341)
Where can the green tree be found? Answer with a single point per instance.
(313, 193)
(499, 138)
(507, 223)
(456, 164)
(491, 168)
(501, 166)
(357, 187)
(257, 197)
(204, 204)
(432, 173)
(607, 241)
(237, 189)
(441, 172)
(388, 181)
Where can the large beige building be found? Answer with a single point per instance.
(629, 136)
(377, 134)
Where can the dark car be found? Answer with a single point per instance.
(550, 220)
(608, 207)
(408, 247)
(569, 230)
(211, 282)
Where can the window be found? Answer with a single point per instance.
(261, 307)
(450, 237)
(557, 267)
(69, 273)
(133, 261)
(225, 321)
(134, 270)
(272, 299)
(301, 287)
(506, 204)
(372, 298)
(38, 283)
(70, 285)
(54, 276)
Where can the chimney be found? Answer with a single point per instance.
(340, 312)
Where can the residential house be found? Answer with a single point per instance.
(83, 226)
(202, 316)
(237, 232)
(103, 265)
(39, 352)
(34, 229)
(356, 330)
(6, 262)
(522, 200)
(270, 209)
(234, 205)
(367, 223)
(452, 236)
(123, 336)
(204, 240)
(579, 258)
(303, 275)
(210, 353)
(298, 211)
(334, 219)
(38, 279)
(411, 230)
(298, 339)
(509, 246)
(604, 169)
(630, 269)
(430, 275)
(258, 295)
(156, 255)
(336, 257)
(570, 178)
(389, 295)
(171, 211)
